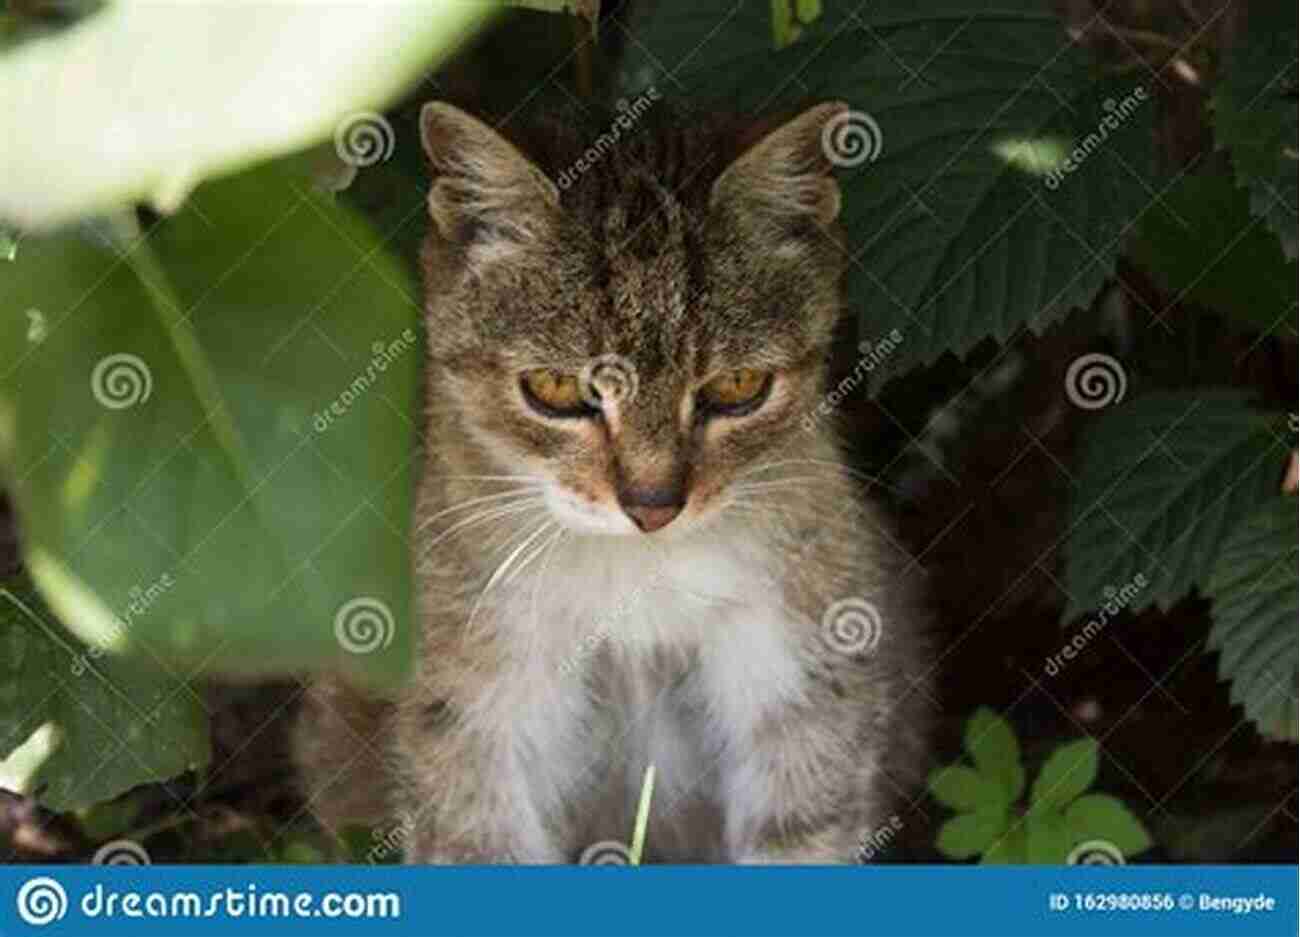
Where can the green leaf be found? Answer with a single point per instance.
(1254, 114)
(963, 788)
(1067, 773)
(210, 446)
(992, 744)
(1163, 481)
(145, 110)
(1047, 839)
(1010, 849)
(1201, 245)
(1102, 817)
(969, 834)
(959, 225)
(1255, 591)
(78, 727)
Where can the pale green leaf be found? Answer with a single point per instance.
(1106, 818)
(992, 745)
(1067, 773)
(969, 834)
(963, 788)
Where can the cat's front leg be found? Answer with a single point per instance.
(469, 795)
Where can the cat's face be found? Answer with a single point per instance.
(646, 342)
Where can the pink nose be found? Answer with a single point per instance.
(652, 508)
(650, 519)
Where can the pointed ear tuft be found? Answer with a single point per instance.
(786, 174)
(485, 194)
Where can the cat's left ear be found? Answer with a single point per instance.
(786, 174)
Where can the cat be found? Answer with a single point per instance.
(630, 548)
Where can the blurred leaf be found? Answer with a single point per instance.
(1067, 773)
(213, 436)
(110, 819)
(969, 834)
(992, 744)
(98, 726)
(1215, 837)
(1201, 245)
(1254, 114)
(1256, 606)
(1100, 816)
(1010, 849)
(1163, 481)
(142, 101)
(1047, 839)
(963, 788)
(958, 227)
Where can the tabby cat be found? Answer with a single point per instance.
(630, 547)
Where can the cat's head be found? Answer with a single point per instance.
(638, 317)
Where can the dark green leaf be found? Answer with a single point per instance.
(969, 834)
(1047, 839)
(1201, 245)
(963, 788)
(1163, 481)
(1254, 586)
(78, 727)
(1067, 773)
(991, 743)
(1012, 848)
(1254, 109)
(1102, 817)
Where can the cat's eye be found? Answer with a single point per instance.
(735, 393)
(555, 393)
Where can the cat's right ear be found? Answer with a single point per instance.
(486, 196)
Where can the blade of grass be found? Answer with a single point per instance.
(642, 815)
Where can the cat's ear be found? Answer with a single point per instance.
(787, 173)
(486, 195)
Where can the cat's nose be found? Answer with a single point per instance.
(651, 508)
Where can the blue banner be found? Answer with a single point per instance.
(1108, 901)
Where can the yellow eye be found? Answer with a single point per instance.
(736, 391)
(554, 393)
